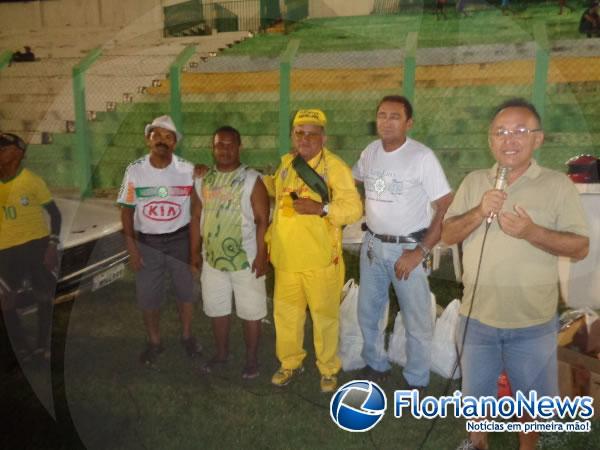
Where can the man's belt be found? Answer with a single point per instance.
(184, 228)
(412, 238)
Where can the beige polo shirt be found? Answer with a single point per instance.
(518, 283)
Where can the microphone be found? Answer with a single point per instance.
(501, 179)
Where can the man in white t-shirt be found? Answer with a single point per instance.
(156, 198)
(403, 182)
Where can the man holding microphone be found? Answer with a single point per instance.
(512, 239)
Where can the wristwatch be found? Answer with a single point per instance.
(325, 210)
(426, 251)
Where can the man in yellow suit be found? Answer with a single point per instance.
(315, 196)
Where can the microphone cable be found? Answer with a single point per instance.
(459, 351)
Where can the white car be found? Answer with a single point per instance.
(93, 249)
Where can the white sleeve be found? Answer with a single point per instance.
(433, 177)
(358, 170)
(127, 195)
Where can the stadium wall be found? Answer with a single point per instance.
(83, 13)
(337, 8)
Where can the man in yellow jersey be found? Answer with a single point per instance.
(28, 250)
(315, 196)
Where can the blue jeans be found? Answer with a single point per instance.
(415, 303)
(527, 354)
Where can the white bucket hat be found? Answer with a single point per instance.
(163, 122)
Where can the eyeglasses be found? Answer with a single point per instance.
(517, 133)
(311, 136)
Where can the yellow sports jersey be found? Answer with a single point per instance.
(22, 217)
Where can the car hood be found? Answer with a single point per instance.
(87, 220)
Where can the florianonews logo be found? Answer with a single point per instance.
(358, 406)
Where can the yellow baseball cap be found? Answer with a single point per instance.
(310, 117)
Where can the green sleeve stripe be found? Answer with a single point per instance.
(126, 205)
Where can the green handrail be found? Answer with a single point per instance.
(410, 66)
(5, 58)
(285, 69)
(83, 149)
(542, 63)
(175, 80)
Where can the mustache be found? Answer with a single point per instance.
(161, 146)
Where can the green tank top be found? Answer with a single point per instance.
(222, 219)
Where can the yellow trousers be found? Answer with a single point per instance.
(321, 291)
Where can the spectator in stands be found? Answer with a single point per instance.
(234, 208)
(156, 198)
(589, 23)
(26, 56)
(28, 248)
(314, 197)
(403, 181)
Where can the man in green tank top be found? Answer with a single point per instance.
(234, 210)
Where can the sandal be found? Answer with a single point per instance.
(150, 353)
(250, 372)
(192, 348)
(212, 365)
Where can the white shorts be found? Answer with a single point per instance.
(249, 292)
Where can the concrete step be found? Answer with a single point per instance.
(22, 97)
(124, 70)
(33, 111)
(48, 124)
(40, 69)
(35, 85)
(59, 42)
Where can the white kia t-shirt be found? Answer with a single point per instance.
(161, 197)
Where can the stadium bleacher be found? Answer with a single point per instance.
(344, 66)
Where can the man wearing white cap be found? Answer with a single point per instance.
(314, 197)
(156, 198)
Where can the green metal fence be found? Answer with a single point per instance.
(5, 58)
(175, 79)
(296, 10)
(233, 15)
(270, 12)
(206, 16)
(183, 18)
(82, 141)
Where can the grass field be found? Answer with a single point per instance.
(105, 399)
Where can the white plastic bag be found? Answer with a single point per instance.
(397, 344)
(351, 339)
(443, 353)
